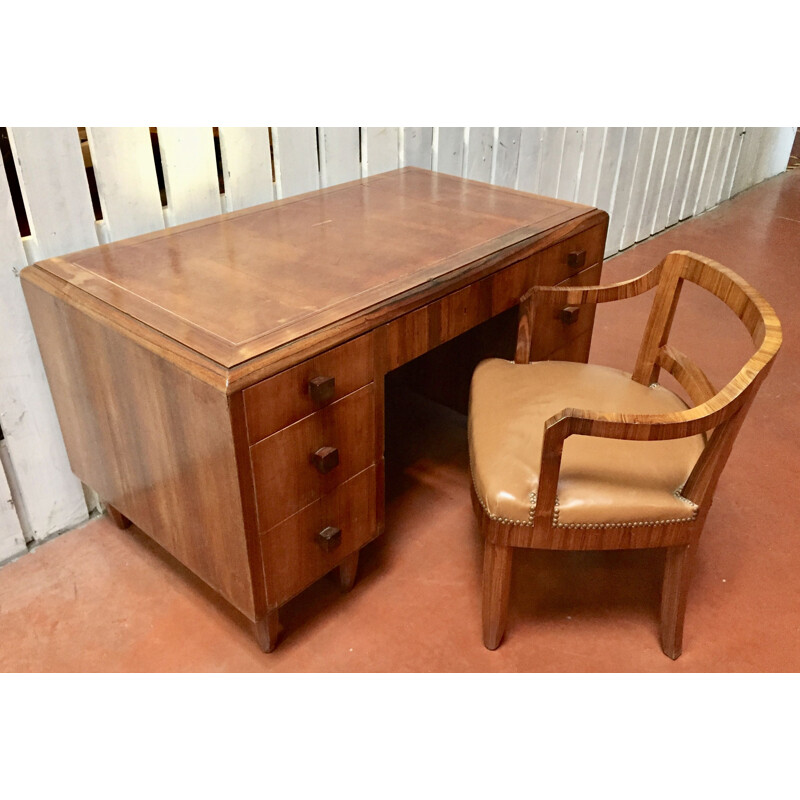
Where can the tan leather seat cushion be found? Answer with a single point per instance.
(603, 482)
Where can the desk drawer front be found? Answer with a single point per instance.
(570, 257)
(295, 554)
(556, 327)
(546, 268)
(296, 465)
(289, 396)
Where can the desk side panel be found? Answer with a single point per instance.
(151, 439)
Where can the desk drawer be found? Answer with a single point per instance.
(285, 476)
(287, 397)
(568, 258)
(556, 327)
(547, 267)
(294, 554)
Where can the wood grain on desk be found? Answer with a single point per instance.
(252, 281)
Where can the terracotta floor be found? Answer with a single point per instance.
(100, 599)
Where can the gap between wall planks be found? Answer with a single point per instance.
(646, 178)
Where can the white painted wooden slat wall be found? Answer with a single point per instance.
(550, 161)
(639, 185)
(530, 159)
(507, 156)
(479, 154)
(610, 161)
(568, 173)
(296, 160)
(380, 150)
(646, 178)
(671, 169)
(126, 181)
(246, 167)
(53, 182)
(655, 183)
(590, 165)
(21, 373)
(190, 174)
(684, 173)
(12, 541)
(622, 194)
(339, 155)
(417, 147)
(448, 150)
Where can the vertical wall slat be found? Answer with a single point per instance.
(712, 163)
(296, 160)
(417, 147)
(622, 194)
(570, 163)
(591, 162)
(479, 154)
(51, 496)
(448, 145)
(552, 148)
(684, 173)
(641, 177)
(246, 167)
(55, 188)
(380, 150)
(609, 168)
(530, 159)
(655, 183)
(670, 179)
(743, 177)
(190, 174)
(715, 187)
(339, 155)
(12, 542)
(697, 172)
(125, 172)
(762, 159)
(779, 151)
(733, 163)
(507, 157)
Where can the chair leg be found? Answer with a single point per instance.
(496, 584)
(677, 573)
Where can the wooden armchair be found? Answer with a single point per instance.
(641, 469)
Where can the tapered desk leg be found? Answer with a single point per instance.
(267, 631)
(347, 572)
(120, 520)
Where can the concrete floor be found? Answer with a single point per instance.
(100, 599)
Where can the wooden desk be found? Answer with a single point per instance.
(221, 383)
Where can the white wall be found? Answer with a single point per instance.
(646, 178)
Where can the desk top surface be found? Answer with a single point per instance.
(235, 286)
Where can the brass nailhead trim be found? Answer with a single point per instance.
(584, 525)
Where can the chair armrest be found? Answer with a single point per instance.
(585, 295)
(634, 427)
(574, 296)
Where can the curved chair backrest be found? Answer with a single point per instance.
(731, 402)
(748, 304)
